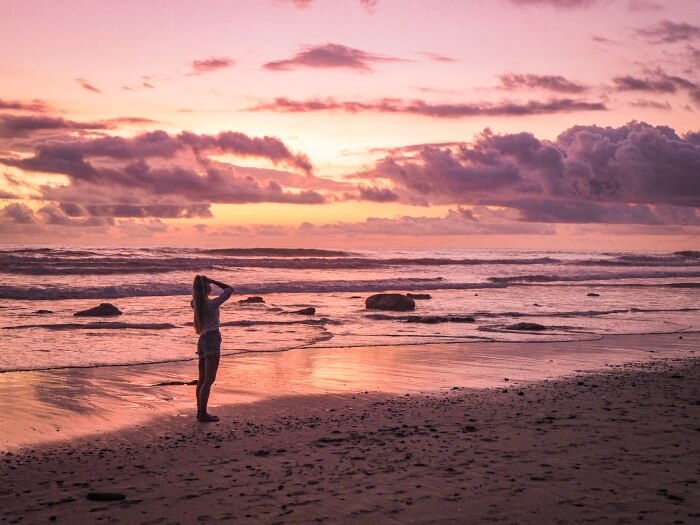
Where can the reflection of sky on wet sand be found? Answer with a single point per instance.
(63, 404)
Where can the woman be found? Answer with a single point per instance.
(206, 324)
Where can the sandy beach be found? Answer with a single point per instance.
(617, 445)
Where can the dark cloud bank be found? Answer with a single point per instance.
(636, 173)
(633, 174)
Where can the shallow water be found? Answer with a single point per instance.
(638, 293)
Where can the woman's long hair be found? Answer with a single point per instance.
(199, 297)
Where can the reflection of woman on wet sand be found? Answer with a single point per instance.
(206, 324)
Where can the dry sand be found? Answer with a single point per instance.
(618, 446)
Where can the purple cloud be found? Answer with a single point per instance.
(17, 213)
(207, 66)
(330, 56)
(37, 106)
(589, 174)
(367, 193)
(556, 83)
(23, 125)
(165, 211)
(87, 86)
(659, 82)
(55, 156)
(602, 40)
(667, 32)
(134, 121)
(156, 174)
(53, 215)
(653, 104)
(420, 107)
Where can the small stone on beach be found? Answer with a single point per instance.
(105, 496)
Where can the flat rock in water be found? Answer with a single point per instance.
(252, 300)
(434, 319)
(103, 310)
(390, 301)
(306, 311)
(419, 296)
(592, 294)
(43, 312)
(105, 496)
(533, 327)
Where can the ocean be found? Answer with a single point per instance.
(575, 295)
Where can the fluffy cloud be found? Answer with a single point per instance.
(556, 83)
(421, 107)
(14, 215)
(366, 193)
(667, 32)
(330, 56)
(589, 174)
(160, 175)
(17, 213)
(70, 157)
(210, 64)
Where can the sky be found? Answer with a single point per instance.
(521, 124)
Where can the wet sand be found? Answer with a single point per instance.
(59, 405)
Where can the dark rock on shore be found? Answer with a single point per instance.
(103, 310)
(306, 311)
(252, 300)
(533, 327)
(592, 294)
(419, 296)
(390, 301)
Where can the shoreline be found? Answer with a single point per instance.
(618, 445)
(62, 405)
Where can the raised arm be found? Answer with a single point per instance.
(218, 283)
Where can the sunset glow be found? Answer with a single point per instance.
(511, 123)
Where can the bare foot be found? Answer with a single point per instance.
(207, 418)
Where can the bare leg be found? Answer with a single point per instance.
(200, 382)
(211, 366)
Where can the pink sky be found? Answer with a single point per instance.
(509, 123)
